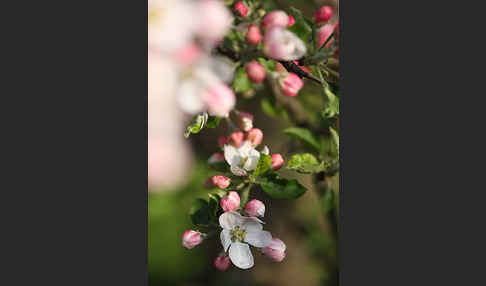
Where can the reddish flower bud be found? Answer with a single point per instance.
(324, 33)
(222, 140)
(255, 71)
(245, 121)
(216, 157)
(290, 84)
(291, 21)
(255, 136)
(253, 36)
(277, 161)
(240, 9)
(191, 239)
(222, 262)
(230, 202)
(220, 181)
(236, 138)
(255, 208)
(275, 250)
(275, 19)
(323, 14)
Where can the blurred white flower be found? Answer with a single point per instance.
(281, 44)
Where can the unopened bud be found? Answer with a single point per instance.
(191, 239)
(255, 136)
(324, 33)
(240, 9)
(255, 208)
(216, 158)
(220, 181)
(222, 140)
(323, 14)
(245, 121)
(236, 138)
(253, 36)
(222, 262)
(275, 19)
(277, 161)
(255, 71)
(230, 202)
(290, 84)
(291, 21)
(275, 250)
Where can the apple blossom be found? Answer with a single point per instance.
(188, 55)
(220, 181)
(216, 158)
(215, 20)
(245, 121)
(240, 9)
(222, 262)
(239, 231)
(277, 161)
(281, 44)
(242, 159)
(275, 250)
(324, 33)
(323, 14)
(255, 208)
(236, 138)
(291, 21)
(230, 202)
(275, 19)
(255, 136)
(255, 71)
(191, 239)
(253, 36)
(290, 84)
(220, 100)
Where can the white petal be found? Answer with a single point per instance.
(245, 149)
(250, 224)
(231, 155)
(238, 171)
(265, 150)
(188, 97)
(252, 161)
(225, 239)
(240, 255)
(258, 238)
(229, 220)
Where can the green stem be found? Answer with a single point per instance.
(244, 195)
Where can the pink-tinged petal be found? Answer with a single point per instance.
(229, 220)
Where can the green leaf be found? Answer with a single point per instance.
(197, 124)
(335, 139)
(332, 104)
(269, 65)
(305, 163)
(302, 27)
(271, 109)
(305, 136)
(200, 212)
(264, 164)
(213, 121)
(280, 188)
(241, 82)
(328, 201)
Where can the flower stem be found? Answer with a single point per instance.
(244, 195)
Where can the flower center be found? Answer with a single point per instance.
(243, 162)
(237, 234)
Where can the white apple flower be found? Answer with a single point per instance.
(242, 159)
(239, 231)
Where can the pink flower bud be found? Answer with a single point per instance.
(277, 161)
(245, 121)
(240, 9)
(188, 55)
(220, 181)
(291, 21)
(324, 33)
(216, 157)
(255, 208)
(222, 262)
(275, 250)
(236, 138)
(222, 140)
(323, 14)
(253, 36)
(290, 84)
(281, 44)
(220, 99)
(230, 202)
(191, 239)
(255, 136)
(275, 19)
(255, 71)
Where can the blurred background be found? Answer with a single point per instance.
(309, 235)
